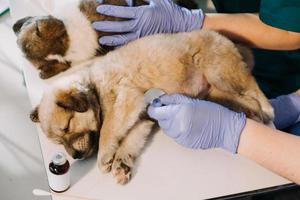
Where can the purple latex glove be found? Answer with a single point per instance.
(129, 2)
(295, 129)
(160, 16)
(198, 124)
(287, 110)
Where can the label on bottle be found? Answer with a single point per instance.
(59, 183)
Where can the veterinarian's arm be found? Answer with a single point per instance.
(272, 149)
(249, 29)
(203, 125)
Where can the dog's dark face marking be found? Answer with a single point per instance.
(39, 37)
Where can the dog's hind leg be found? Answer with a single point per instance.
(238, 103)
(228, 73)
(255, 92)
(129, 150)
(241, 88)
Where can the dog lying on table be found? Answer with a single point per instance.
(56, 42)
(106, 100)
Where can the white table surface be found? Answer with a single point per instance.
(165, 170)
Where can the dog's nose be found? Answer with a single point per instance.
(77, 155)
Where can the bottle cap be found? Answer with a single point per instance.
(59, 158)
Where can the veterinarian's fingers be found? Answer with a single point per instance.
(116, 40)
(168, 129)
(164, 112)
(116, 27)
(118, 11)
(165, 125)
(175, 99)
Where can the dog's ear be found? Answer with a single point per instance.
(75, 99)
(34, 115)
(51, 27)
(51, 68)
(18, 25)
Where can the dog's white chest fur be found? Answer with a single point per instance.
(83, 38)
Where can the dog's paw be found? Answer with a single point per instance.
(122, 173)
(106, 167)
(259, 115)
(263, 116)
(44, 75)
(105, 162)
(268, 114)
(121, 168)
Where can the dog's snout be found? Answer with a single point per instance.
(77, 155)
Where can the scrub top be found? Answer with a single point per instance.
(277, 72)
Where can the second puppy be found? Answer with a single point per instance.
(56, 42)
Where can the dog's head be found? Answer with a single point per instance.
(70, 115)
(39, 37)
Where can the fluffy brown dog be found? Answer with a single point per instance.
(107, 99)
(56, 42)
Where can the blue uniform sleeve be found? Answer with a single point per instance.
(283, 14)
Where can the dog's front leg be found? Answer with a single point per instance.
(129, 150)
(118, 120)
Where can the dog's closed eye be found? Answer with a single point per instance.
(66, 129)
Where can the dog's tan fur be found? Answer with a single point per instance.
(42, 37)
(200, 64)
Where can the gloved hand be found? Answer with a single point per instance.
(129, 2)
(198, 124)
(287, 110)
(294, 129)
(160, 16)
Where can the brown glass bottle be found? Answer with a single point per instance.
(59, 176)
(59, 169)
